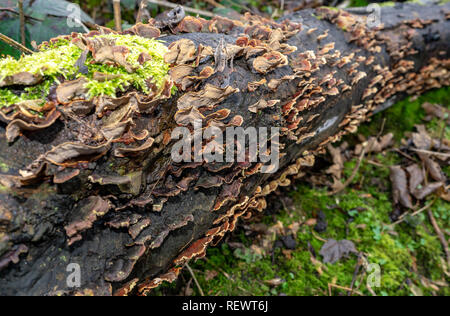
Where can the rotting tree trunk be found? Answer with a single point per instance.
(122, 235)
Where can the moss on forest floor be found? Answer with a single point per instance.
(409, 254)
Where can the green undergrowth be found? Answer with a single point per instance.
(56, 62)
(396, 250)
(409, 254)
(405, 114)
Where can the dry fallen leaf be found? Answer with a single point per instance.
(435, 110)
(375, 145)
(416, 177)
(210, 274)
(274, 282)
(432, 167)
(332, 251)
(428, 189)
(400, 186)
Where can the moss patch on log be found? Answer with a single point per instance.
(56, 62)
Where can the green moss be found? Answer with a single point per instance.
(394, 250)
(387, 4)
(3, 167)
(405, 114)
(359, 3)
(58, 60)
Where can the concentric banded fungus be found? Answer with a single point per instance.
(269, 61)
(262, 104)
(207, 98)
(12, 256)
(89, 211)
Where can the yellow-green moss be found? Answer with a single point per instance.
(57, 61)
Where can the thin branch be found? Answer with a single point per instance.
(117, 15)
(433, 153)
(353, 175)
(440, 235)
(402, 217)
(15, 12)
(331, 285)
(142, 7)
(195, 280)
(22, 23)
(355, 275)
(403, 154)
(14, 44)
(187, 9)
(215, 3)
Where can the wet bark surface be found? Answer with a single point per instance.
(128, 235)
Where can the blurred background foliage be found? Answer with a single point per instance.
(46, 19)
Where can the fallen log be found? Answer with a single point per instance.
(114, 214)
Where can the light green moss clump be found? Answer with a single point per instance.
(57, 61)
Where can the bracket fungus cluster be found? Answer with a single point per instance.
(90, 119)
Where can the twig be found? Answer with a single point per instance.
(140, 13)
(14, 44)
(188, 285)
(318, 237)
(369, 288)
(215, 3)
(383, 124)
(434, 153)
(187, 9)
(353, 175)
(15, 12)
(441, 137)
(403, 216)
(330, 285)
(440, 235)
(117, 15)
(22, 23)
(403, 154)
(355, 274)
(377, 164)
(195, 280)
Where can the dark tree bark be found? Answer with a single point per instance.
(117, 228)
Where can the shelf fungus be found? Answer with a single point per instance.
(90, 210)
(269, 61)
(207, 98)
(262, 104)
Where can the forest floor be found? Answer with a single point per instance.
(397, 249)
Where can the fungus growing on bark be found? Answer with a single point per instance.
(144, 30)
(269, 61)
(181, 52)
(195, 250)
(254, 85)
(65, 176)
(207, 98)
(262, 104)
(90, 210)
(134, 151)
(68, 151)
(16, 126)
(323, 36)
(13, 256)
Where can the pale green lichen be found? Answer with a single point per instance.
(57, 60)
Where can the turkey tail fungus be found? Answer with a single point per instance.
(87, 177)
